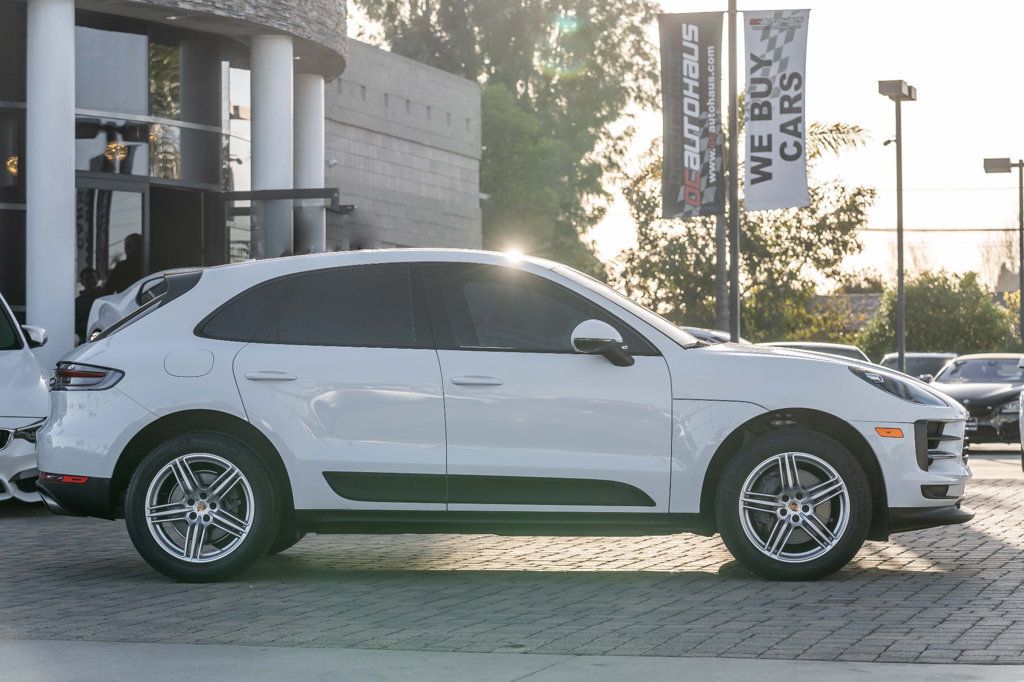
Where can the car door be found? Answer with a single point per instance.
(343, 377)
(531, 424)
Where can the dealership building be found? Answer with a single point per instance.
(143, 135)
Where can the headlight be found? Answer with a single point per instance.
(903, 390)
(1012, 407)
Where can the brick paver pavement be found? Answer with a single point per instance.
(943, 595)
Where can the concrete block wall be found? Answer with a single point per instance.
(406, 141)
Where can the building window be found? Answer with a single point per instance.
(111, 71)
(12, 156)
(12, 258)
(12, 52)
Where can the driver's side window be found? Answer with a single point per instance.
(490, 307)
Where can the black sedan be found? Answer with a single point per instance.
(988, 386)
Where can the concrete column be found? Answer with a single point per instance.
(272, 141)
(311, 220)
(50, 174)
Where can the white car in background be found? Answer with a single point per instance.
(446, 391)
(24, 406)
(106, 310)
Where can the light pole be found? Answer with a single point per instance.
(899, 92)
(734, 186)
(1006, 166)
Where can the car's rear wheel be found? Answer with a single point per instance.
(201, 507)
(794, 505)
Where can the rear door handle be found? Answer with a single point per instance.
(269, 375)
(476, 380)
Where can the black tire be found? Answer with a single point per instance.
(758, 453)
(287, 537)
(266, 514)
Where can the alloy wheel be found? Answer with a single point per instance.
(199, 507)
(794, 507)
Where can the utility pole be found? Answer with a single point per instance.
(734, 190)
(721, 273)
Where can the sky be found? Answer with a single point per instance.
(964, 59)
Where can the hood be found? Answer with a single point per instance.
(979, 394)
(782, 378)
(23, 389)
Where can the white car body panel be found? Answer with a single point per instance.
(559, 416)
(348, 409)
(698, 429)
(655, 425)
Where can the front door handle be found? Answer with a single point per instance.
(269, 375)
(476, 380)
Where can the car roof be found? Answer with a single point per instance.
(992, 356)
(366, 256)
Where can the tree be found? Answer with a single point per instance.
(944, 313)
(786, 254)
(571, 68)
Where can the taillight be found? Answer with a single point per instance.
(71, 376)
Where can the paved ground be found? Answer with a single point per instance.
(940, 596)
(25, 660)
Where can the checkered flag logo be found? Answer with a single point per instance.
(777, 32)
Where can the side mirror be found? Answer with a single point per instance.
(594, 337)
(1020, 364)
(36, 335)
(927, 378)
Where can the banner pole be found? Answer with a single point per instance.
(734, 208)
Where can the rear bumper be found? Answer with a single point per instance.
(903, 519)
(89, 498)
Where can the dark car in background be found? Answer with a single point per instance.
(924, 366)
(988, 386)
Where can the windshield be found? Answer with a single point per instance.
(983, 371)
(657, 321)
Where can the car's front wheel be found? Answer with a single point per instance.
(201, 507)
(794, 505)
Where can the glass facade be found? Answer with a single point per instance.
(151, 113)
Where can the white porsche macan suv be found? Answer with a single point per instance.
(434, 391)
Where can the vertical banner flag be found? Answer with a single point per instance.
(691, 174)
(776, 159)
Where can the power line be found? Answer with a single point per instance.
(950, 230)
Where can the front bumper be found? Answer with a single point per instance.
(902, 519)
(17, 468)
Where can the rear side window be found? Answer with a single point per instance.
(364, 306)
(9, 337)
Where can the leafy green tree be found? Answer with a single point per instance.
(571, 68)
(786, 254)
(945, 313)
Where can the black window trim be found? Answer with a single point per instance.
(419, 308)
(445, 337)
